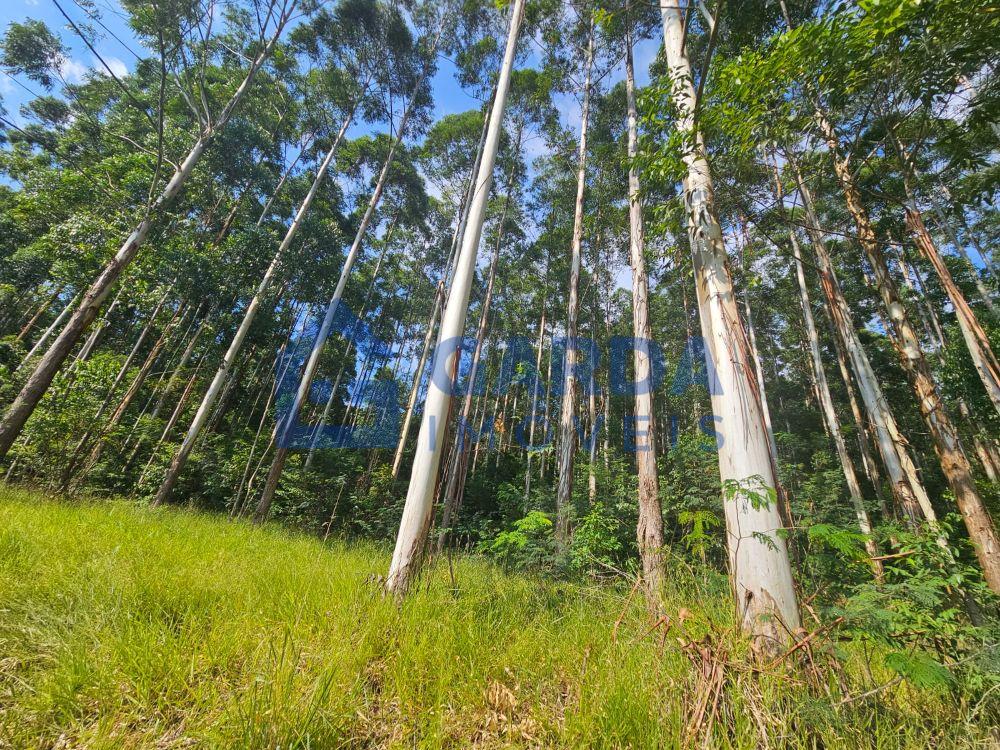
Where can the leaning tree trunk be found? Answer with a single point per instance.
(893, 447)
(222, 374)
(758, 557)
(312, 365)
(830, 414)
(567, 431)
(415, 523)
(40, 380)
(954, 463)
(460, 449)
(649, 530)
(826, 399)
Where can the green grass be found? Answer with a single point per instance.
(123, 627)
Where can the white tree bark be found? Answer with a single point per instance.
(649, 530)
(250, 314)
(312, 364)
(415, 522)
(567, 430)
(759, 565)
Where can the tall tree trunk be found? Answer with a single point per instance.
(826, 399)
(758, 558)
(954, 463)
(317, 433)
(893, 447)
(312, 364)
(416, 518)
(40, 380)
(534, 406)
(222, 374)
(452, 496)
(649, 530)
(567, 429)
(830, 413)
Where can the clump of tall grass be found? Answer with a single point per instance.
(122, 626)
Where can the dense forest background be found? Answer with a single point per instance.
(227, 265)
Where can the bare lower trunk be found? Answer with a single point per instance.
(567, 429)
(417, 512)
(460, 451)
(649, 530)
(758, 558)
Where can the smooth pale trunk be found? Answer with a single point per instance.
(954, 463)
(534, 408)
(649, 530)
(758, 558)
(312, 364)
(222, 374)
(40, 380)
(416, 518)
(239, 503)
(397, 459)
(460, 224)
(460, 450)
(903, 477)
(932, 325)
(317, 433)
(567, 430)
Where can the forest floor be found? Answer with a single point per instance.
(124, 627)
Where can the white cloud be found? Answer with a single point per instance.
(73, 70)
(6, 85)
(32, 3)
(119, 68)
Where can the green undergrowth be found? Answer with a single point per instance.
(125, 627)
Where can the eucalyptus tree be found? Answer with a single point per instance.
(758, 557)
(352, 43)
(413, 62)
(279, 13)
(569, 33)
(417, 511)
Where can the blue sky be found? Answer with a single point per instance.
(118, 48)
(449, 97)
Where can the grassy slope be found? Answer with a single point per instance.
(125, 627)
